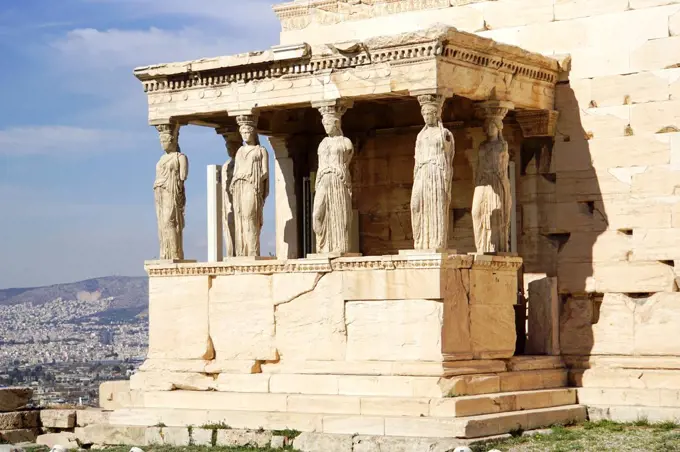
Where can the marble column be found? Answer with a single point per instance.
(332, 213)
(172, 171)
(432, 178)
(287, 228)
(492, 201)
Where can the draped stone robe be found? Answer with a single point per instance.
(333, 196)
(492, 201)
(249, 190)
(171, 172)
(431, 196)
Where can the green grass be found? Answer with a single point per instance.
(595, 436)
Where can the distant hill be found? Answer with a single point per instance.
(130, 293)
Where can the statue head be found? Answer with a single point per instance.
(431, 106)
(169, 134)
(493, 126)
(248, 128)
(331, 118)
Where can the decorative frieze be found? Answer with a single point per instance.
(425, 261)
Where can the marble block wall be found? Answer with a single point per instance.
(378, 309)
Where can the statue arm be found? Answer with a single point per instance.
(265, 172)
(349, 150)
(183, 167)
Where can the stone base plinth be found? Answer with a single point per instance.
(420, 310)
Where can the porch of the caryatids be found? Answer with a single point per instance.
(332, 213)
(172, 171)
(492, 201)
(432, 178)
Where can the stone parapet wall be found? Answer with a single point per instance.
(415, 310)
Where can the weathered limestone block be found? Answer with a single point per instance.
(403, 444)
(313, 442)
(572, 9)
(91, 416)
(517, 13)
(630, 89)
(415, 332)
(312, 326)
(585, 331)
(117, 394)
(243, 438)
(16, 436)
(242, 382)
(242, 317)
(19, 419)
(113, 435)
(456, 343)
(201, 437)
(178, 318)
(544, 318)
(655, 54)
(64, 439)
(655, 244)
(400, 284)
(12, 399)
(174, 365)
(168, 381)
(286, 287)
(656, 322)
(233, 367)
(491, 287)
(629, 151)
(657, 181)
(492, 329)
(58, 418)
(590, 184)
(604, 122)
(605, 246)
(167, 436)
(625, 277)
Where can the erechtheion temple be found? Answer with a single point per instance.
(477, 224)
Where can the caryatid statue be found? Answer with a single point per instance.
(432, 178)
(333, 190)
(171, 171)
(492, 201)
(249, 188)
(233, 141)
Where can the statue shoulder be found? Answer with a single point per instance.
(348, 143)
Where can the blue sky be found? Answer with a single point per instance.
(77, 157)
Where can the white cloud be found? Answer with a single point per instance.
(247, 12)
(18, 141)
(114, 49)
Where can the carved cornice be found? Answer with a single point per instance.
(340, 264)
(537, 123)
(449, 45)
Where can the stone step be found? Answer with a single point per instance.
(405, 426)
(668, 398)
(501, 402)
(358, 405)
(353, 385)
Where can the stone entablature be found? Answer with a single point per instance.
(327, 265)
(297, 15)
(440, 59)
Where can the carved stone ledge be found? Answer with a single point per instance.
(430, 261)
(537, 123)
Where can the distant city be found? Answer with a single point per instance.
(67, 346)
